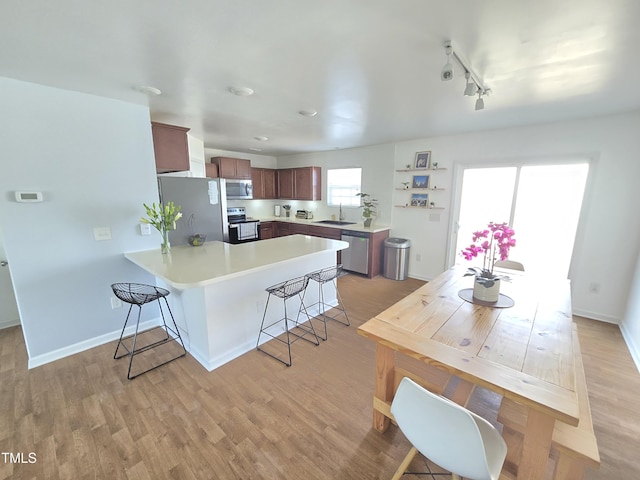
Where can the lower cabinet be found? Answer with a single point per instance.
(376, 240)
(267, 230)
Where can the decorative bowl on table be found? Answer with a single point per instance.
(197, 240)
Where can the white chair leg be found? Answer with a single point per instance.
(405, 463)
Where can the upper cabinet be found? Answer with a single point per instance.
(232, 167)
(211, 170)
(171, 147)
(264, 183)
(302, 183)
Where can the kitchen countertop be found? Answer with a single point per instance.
(189, 267)
(356, 227)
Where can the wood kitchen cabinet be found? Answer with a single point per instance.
(211, 170)
(267, 230)
(302, 183)
(238, 168)
(171, 147)
(283, 229)
(298, 229)
(264, 183)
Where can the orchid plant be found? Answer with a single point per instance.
(164, 218)
(494, 243)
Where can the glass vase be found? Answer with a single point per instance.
(165, 246)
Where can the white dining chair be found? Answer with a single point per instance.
(449, 435)
(511, 264)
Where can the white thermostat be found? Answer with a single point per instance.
(28, 196)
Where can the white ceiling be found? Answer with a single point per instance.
(371, 68)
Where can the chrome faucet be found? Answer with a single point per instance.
(341, 216)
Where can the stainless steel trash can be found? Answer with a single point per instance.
(396, 258)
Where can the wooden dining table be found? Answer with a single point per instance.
(523, 352)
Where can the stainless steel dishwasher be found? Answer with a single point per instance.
(356, 257)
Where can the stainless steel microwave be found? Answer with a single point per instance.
(239, 189)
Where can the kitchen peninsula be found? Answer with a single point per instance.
(218, 290)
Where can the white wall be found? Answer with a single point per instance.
(93, 160)
(631, 323)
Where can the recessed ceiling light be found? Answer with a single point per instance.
(308, 113)
(147, 90)
(241, 91)
(254, 149)
(261, 138)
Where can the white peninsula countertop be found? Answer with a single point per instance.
(189, 267)
(218, 289)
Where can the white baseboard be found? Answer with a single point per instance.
(217, 361)
(633, 349)
(9, 323)
(87, 344)
(597, 316)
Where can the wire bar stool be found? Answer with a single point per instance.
(324, 276)
(139, 294)
(287, 290)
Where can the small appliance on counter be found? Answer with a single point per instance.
(287, 210)
(304, 214)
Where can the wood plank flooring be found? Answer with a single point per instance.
(254, 418)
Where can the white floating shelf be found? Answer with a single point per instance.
(419, 169)
(421, 208)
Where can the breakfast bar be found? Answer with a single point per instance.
(218, 289)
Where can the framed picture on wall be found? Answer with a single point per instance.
(419, 200)
(420, 181)
(423, 159)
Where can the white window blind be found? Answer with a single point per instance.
(342, 186)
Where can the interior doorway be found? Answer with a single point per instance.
(8, 308)
(542, 203)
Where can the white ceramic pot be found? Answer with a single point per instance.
(486, 294)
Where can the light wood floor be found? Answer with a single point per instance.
(255, 418)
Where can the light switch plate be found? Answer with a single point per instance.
(102, 233)
(145, 229)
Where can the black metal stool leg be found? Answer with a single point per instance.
(115, 354)
(340, 305)
(133, 347)
(175, 325)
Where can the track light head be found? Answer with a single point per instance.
(471, 89)
(447, 71)
(480, 101)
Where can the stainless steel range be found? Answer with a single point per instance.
(241, 228)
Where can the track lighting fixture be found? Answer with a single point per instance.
(474, 86)
(447, 70)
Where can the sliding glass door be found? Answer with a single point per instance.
(541, 202)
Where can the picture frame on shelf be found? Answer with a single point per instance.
(423, 160)
(420, 181)
(420, 200)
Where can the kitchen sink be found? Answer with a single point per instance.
(335, 222)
